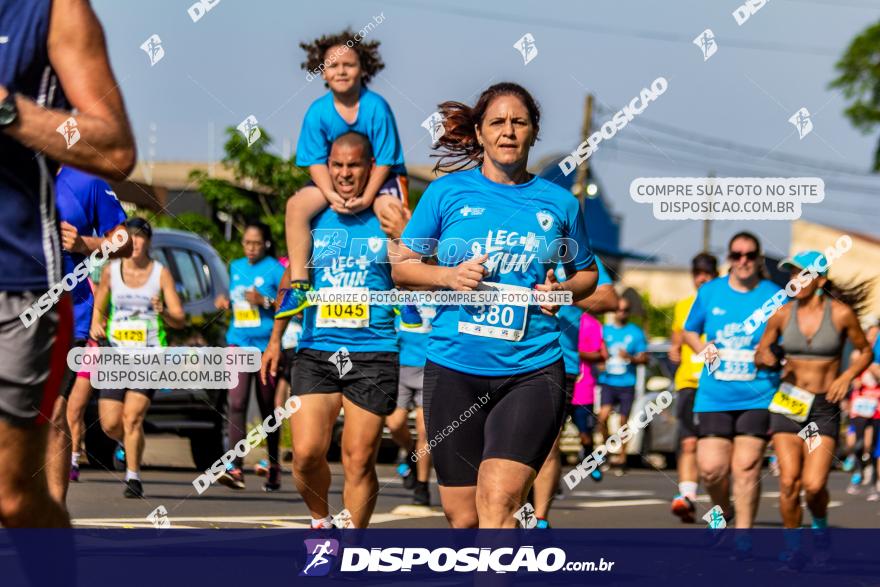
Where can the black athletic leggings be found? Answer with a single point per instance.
(238, 402)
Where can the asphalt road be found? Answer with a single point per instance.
(640, 499)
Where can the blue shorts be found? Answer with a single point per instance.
(620, 396)
(583, 417)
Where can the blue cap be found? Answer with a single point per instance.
(806, 259)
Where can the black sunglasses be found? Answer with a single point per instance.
(736, 255)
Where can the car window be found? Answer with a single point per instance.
(191, 268)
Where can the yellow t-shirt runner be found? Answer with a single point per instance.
(688, 372)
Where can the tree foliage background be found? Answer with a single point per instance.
(859, 79)
(266, 181)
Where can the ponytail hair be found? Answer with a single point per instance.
(853, 294)
(458, 147)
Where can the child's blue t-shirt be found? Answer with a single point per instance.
(322, 125)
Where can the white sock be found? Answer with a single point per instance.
(688, 489)
(74, 459)
(326, 522)
(129, 475)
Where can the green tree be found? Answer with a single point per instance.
(263, 183)
(656, 320)
(859, 79)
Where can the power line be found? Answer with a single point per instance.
(747, 149)
(617, 31)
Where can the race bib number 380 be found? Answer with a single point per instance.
(503, 321)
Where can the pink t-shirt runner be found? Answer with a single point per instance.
(589, 341)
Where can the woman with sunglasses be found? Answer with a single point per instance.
(253, 280)
(805, 411)
(730, 407)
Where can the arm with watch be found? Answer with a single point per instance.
(78, 55)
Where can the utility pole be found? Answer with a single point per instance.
(580, 178)
(707, 223)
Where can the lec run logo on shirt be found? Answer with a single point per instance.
(321, 554)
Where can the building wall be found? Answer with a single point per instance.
(862, 262)
(664, 285)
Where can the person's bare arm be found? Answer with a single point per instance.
(102, 299)
(74, 242)
(378, 176)
(692, 339)
(171, 308)
(675, 340)
(764, 357)
(838, 388)
(407, 270)
(604, 299)
(78, 55)
(320, 174)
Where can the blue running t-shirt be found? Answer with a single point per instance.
(630, 338)
(349, 252)
(521, 228)
(322, 125)
(414, 339)
(720, 312)
(252, 325)
(90, 205)
(570, 322)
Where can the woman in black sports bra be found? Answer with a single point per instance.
(805, 415)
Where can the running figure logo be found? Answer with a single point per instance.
(321, 553)
(434, 125)
(711, 357)
(706, 42)
(69, 131)
(342, 360)
(159, 518)
(526, 516)
(715, 518)
(526, 47)
(801, 121)
(154, 49)
(810, 434)
(249, 129)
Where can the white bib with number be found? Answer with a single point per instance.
(345, 314)
(503, 321)
(245, 315)
(616, 365)
(792, 402)
(864, 407)
(736, 365)
(129, 333)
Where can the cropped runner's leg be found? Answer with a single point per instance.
(266, 405)
(134, 409)
(456, 440)
(301, 208)
(312, 428)
(511, 460)
(748, 455)
(817, 466)
(713, 460)
(237, 410)
(361, 434)
(790, 452)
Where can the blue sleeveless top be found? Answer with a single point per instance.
(30, 247)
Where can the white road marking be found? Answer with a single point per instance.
(620, 503)
(399, 513)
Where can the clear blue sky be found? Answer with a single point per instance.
(243, 58)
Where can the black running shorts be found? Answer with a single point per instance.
(366, 379)
(471, 418)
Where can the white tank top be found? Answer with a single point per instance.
(133, 321)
